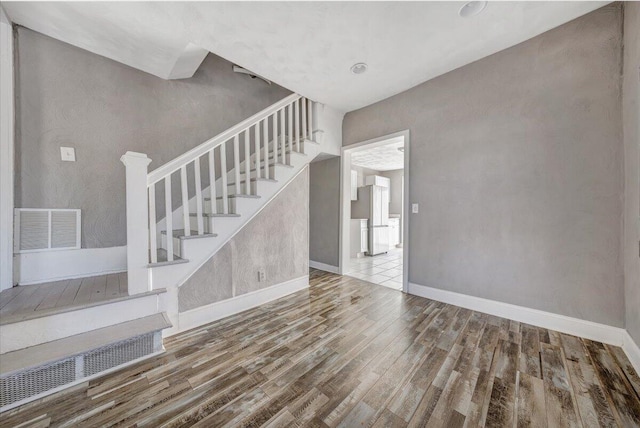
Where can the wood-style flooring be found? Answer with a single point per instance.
(33, 301)
(350, 353)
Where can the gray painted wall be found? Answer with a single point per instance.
(70, 97)
(276, 240)
(516, 161)
(631, 130)
(324, 211)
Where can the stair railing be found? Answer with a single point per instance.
(260, 142)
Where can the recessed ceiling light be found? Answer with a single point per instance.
(472, 8)
(359, 68)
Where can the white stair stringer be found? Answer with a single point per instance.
(199, 251)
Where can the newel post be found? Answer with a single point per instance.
(137, 222)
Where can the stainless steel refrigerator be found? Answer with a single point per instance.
(375, 201)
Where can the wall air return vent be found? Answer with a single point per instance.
(46, 229)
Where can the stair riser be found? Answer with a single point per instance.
(40, 330)
(178, 250)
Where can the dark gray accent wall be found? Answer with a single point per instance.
(70, 97)
(324, 211)
(516, 162)
(631, 130)
(276, 240)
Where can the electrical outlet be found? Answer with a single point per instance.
(68, 154)
(415, 208)
(262, 275)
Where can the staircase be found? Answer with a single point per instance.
(178, 217)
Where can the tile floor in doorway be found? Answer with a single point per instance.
(384, 269)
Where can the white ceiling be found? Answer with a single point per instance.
(307, 47)
(380, 158)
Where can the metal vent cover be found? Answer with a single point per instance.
(46, 229)
(37, 380)
(20, 387)
(111, 356)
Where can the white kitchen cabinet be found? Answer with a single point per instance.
(377, 180)
(359, 234)
(394, 232)
(354, 185)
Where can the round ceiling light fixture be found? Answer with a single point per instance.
(472, 8)
(359, 68)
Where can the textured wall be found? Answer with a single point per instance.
(276, 240)
(631, 130)
(324, 211)
(70, 97)
(516, 161)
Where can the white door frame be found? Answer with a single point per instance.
(345, 200)
(6, 151)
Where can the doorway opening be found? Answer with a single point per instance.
(374, 221)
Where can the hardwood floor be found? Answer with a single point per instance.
(348, 353)
(32, 301)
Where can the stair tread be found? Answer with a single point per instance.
(219, 198)
(269, 180)
(179, 233)
(163, 259)
(216, 215)
(55, 350)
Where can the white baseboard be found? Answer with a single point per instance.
(215, 311)
(630, 347)
(324, 267)
(575, 326)
(45, 266)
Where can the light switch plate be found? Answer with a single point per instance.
(415, 208)
(68, 154)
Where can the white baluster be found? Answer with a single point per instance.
(310, 120)
(168, 216)
(297, 127)
(236, 163)
(257, 149)
(247, 162)
(212, 181)
(199, 218)
(223, 174)
(153, 240)
(290, 125)
(274, 127)
(282, 137)
(304, 118)
(265, 146)
(185, 203)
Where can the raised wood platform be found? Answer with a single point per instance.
(26, 302)
(350, 353)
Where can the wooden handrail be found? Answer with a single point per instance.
(173, 165)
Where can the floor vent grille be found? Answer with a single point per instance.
(36, 381)
(20, 387)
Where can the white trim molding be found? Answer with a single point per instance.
(218, 310)
(45, 266)
(7, 134)
(325, 267)
(564, 324)
(630, 347)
